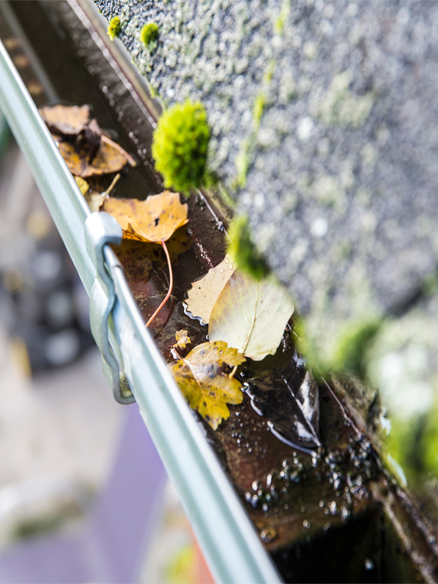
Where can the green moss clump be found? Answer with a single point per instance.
(243, 250)
(180, 146)
(149, 33)
(347, 353)
(114, 27)
(350, 350)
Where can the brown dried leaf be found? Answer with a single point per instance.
(66, 120)
(204, 293)
(206, 387)
(107, 160)
(153, 220)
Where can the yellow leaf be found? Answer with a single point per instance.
(66, 120)
(204, 293)
(206, 387)
(107, 160)
(153, 220)
(182, 339)
(84, 187)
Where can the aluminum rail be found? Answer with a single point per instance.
(227, 537)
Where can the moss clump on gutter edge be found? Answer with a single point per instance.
(149, 33)
(243, 250)
(180, 146)
(114, 27)
(347, 352)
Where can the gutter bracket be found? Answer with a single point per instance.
(101, 229)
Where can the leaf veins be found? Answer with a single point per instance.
(205, 385)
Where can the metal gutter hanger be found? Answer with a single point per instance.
(227, 537)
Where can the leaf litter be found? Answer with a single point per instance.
(93, 198)
(217, 298)
(151, 221)
(86, 150)
(204, 383)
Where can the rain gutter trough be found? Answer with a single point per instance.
(227, 537)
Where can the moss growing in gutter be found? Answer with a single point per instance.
(243, 250)
(149, 33)
(351, 346)
(180, 146)
(114, 27)
(347, 352)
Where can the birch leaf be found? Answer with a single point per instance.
(205, 385)
(205, 292)
(153, 220)
(250, 315)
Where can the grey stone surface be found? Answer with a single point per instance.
(342, 181)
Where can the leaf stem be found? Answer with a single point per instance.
(233, 372)
(112, 185)
(170, 286)
(119, 149)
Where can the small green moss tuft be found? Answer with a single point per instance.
(180, 146)
(279, 24)
(114, 27)
(149, 33)
(242, 162)
(257, 110)
(243, 250)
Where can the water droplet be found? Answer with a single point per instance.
(369, 564)
(265, 507)
(327, 526)
(303, 509)
(345, 513)
(306, 524)
(321, 504)
(255, 486)
(332, 507)
(268, 534)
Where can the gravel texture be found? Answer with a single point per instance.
(331, 106)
